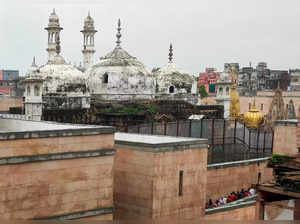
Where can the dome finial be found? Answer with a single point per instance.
(33, 62)
(171, 53)
(89, 15)
(119, 34)
(53, 12)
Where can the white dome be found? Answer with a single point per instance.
(119, 73)
(170, 75)
(62, 78)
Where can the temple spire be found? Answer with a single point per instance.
(119, 35)
(171, 54)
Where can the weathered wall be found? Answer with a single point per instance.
(222, 181)
(239, 214)
(58, 176)
(286, 137)
(7, 102)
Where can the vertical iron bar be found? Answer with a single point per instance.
(165, 128)
(224, 129)
(244, 136)
(212, 131)
(138, 128)
(190, 128)
(264, 142)
(272, 142)
(152, 128)
(249, 139)
(257, 144)
(177, 128)
(234, 133)
(201, 128)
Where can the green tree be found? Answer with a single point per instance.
(202, 92)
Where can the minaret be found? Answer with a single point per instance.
(33, 102)
(53, 33)
(88, 50)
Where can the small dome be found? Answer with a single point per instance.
(88, 23)
(170, 75)
(53, 20)
(62, 78)
(253, 118)
(171, 79)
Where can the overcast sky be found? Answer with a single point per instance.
(204, 33)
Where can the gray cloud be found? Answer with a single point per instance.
(204, 33)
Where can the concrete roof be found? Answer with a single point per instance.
(16, 129)
(158, 143)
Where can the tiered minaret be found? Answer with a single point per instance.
(53, 33)
(88, 50)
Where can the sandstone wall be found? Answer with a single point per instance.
(56, 176)
(7, 102)
(146, 184)
(239, 214)
(222, 181)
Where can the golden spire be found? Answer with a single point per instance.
(235, 98)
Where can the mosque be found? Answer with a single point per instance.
(117, 76)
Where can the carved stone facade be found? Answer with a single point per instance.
(277, 110)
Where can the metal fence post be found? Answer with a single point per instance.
(257, 144)
(234, 133)
(244, 136)
(264, 142)
(138, 128)
(272, 142)
(224, 129)
(177, 128)
(152, 128)
(249, 139)
(190, 128)
(165, 128)
(201, 128)
(212, 131)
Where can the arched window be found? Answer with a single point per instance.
(28, 90)
(105, 78)
(171, 89)
(227, 91)
(220, 91)
(36, 90)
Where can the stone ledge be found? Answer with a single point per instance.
(82, 214)
(157, 143)
(56, 156)
(292, 122)
(56, 133)
(233, 205)
(236, 163)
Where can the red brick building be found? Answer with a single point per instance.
(209, 79)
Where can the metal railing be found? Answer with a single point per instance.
(228, 140)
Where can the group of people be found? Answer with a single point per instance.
(233, 196)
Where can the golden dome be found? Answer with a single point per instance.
(253, 118)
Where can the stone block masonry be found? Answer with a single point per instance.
(66, 175)
(159, 177)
